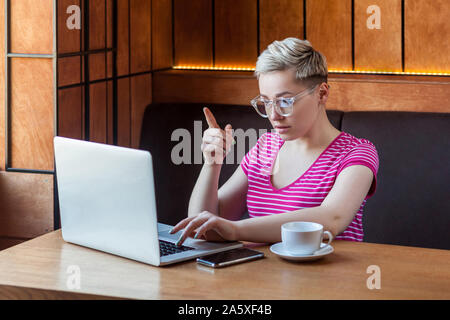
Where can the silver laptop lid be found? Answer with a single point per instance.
(97, 211)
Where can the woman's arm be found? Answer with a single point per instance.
(227, 204)
(229, 201)
(204, 195)
(335, 213)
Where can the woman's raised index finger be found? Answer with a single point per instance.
(210, 118)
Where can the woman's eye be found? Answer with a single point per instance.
(285, 103)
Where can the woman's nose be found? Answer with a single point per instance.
(274, 115)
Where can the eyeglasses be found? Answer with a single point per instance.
(284, 106)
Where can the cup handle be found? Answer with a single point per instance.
(330, 237)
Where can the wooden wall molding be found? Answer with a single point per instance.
(348, 92)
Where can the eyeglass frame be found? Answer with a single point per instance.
(292, 100)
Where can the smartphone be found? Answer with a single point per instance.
(226, 258)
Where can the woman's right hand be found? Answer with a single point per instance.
(216, 143)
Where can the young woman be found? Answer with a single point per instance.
(306, 170)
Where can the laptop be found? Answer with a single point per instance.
(107, 202)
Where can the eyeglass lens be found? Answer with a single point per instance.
(284, 107)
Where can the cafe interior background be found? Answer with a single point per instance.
(94, 80)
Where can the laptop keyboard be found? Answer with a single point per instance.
(166, 248)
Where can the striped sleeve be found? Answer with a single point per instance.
(363, 154)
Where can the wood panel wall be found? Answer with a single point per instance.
(235, 32)
(378, 49)
(410, 39)
(89, 95)
(329, 29)
(229, 32)
(31, 92)
(2, 86)
(426, 42)
(26, 154)
(26, 206)
(279, 20)
(162, 30)
(84, 71)
(355, 93)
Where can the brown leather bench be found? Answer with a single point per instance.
(410, 207)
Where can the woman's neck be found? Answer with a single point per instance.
(321, 134)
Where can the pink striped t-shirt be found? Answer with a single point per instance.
(313, 186)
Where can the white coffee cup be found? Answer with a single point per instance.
(303, 238)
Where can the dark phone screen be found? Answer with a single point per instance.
(230, 255)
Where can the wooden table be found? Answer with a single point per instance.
(40, 268)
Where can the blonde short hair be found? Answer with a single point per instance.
(310, 64)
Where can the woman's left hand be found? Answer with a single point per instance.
(206, 226)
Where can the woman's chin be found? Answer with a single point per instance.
(288, 136)
(285, 136)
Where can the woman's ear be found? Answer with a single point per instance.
(322, 95)
(322, 91)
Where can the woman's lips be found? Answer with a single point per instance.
(282, 129)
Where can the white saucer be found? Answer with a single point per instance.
(279, 250)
